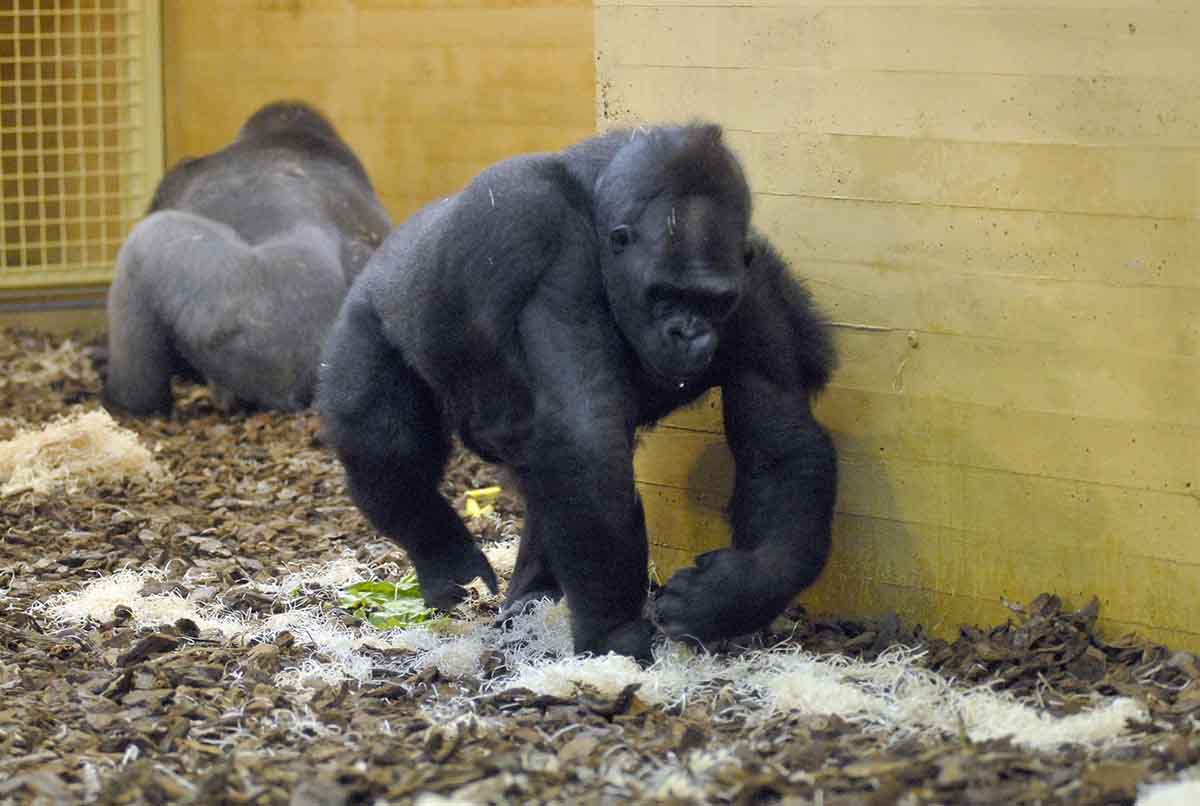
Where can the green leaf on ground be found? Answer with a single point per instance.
(387, 605)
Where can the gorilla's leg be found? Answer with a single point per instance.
(239, 323)
(190, 295)
(577, 476)
(384, 423)
(592, 539)
(226, 400)
(141, 355)
(532, 578)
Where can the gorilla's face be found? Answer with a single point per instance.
(673, 276)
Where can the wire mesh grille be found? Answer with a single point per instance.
(80, 142)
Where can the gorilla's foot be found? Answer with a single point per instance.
(225, 399)
(517, 601)
(442, 573)
(632, 638)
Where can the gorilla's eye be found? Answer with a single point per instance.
(720, 306)
(620, 238)
(748, 254)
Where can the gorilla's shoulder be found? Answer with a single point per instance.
(532, 191)
(175, 183)
(777, 286)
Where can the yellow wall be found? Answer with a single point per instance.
(428, 92)
(998, 203)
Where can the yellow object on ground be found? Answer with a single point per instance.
(480, 501)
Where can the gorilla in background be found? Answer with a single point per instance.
(238, 271)
(545, 312)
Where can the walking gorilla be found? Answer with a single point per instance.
(545, 312)
(238, 272)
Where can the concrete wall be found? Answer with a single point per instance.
(428, 92)
(998, 203)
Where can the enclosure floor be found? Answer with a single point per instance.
(105, 713)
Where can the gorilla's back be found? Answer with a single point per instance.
(263, 186)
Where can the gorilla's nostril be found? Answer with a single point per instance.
(688, 330)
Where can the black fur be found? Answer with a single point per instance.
(544, 313)
(238, 271)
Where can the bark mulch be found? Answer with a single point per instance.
(104, 713)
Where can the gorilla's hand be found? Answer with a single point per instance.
(725, 594)
(443, 574)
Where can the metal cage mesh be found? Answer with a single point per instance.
(80, 135)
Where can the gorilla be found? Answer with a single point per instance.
(544, 313)
(238, 271)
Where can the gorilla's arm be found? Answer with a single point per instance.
(584, 521)
(779, 354)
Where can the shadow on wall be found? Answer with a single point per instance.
(932, 526)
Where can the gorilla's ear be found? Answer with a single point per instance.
(621, 237)
(749, 253)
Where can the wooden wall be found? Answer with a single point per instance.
(428, 92)
(999, 203)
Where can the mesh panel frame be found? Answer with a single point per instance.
(80, 135)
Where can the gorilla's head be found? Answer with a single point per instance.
(289, 116)
(673, 214)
